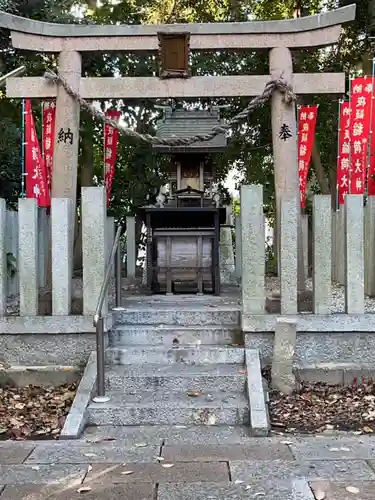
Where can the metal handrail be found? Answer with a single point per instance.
(98, 317)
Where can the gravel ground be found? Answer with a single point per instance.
(272, 286)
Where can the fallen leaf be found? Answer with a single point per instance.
(167, 466)
(319, 495)
(352, 489)
(127, 472)
(84, 489)
(194, 394)
(367, 429)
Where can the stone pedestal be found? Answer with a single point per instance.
(131, 247)
(227, 267)
(3, 259)
(282, 376)
(370, 247)
(238, 247)
(322, 254)
(354, 255)
(28, 256)
(61, 210)
(94, 246)
(253, 254)
(288, 256)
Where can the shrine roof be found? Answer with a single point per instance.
(187, 123)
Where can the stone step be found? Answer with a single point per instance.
(169, 434)
(183, 316)
(168, 335)
(181, 354)
(176, 377)
(166, 408)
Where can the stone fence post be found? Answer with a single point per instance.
(94, 246)
(3, 260)
(28, 256)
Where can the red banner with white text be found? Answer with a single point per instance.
(343, 156)
(307, 116)
(361, 99)
(36, 175)
(49, 117)
(110, 152)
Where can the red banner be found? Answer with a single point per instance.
(306, 135)
(343, 156)
(36, 176)
(361, 94)
(49, 117)
(110, 152)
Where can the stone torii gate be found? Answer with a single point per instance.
(276, 36)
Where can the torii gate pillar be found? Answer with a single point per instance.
(65, 163)
(285, 155)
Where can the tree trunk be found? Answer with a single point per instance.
(319, 170)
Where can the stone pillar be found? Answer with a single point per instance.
(253, 250)
(322, 254)
(110, 239)
(333, 247)
(340, 245)
(43, 245)
(282, 375)
(305, 243)
(238, 247)
(285, 157)
(354, 255)
(28, 256)
(227, 267)
(65, 163)
(131, 257)
(288, 256)
(94, 246)
(11, 246)
(3, 259)
(61, 209)
(370, 247)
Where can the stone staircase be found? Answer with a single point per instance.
(175, 363)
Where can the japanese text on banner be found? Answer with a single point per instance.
(306, 135)
(36, 176)
(343, 156)
(360, 130)
(49, 117)
(110, 152)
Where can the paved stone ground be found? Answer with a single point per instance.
(180, 464)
